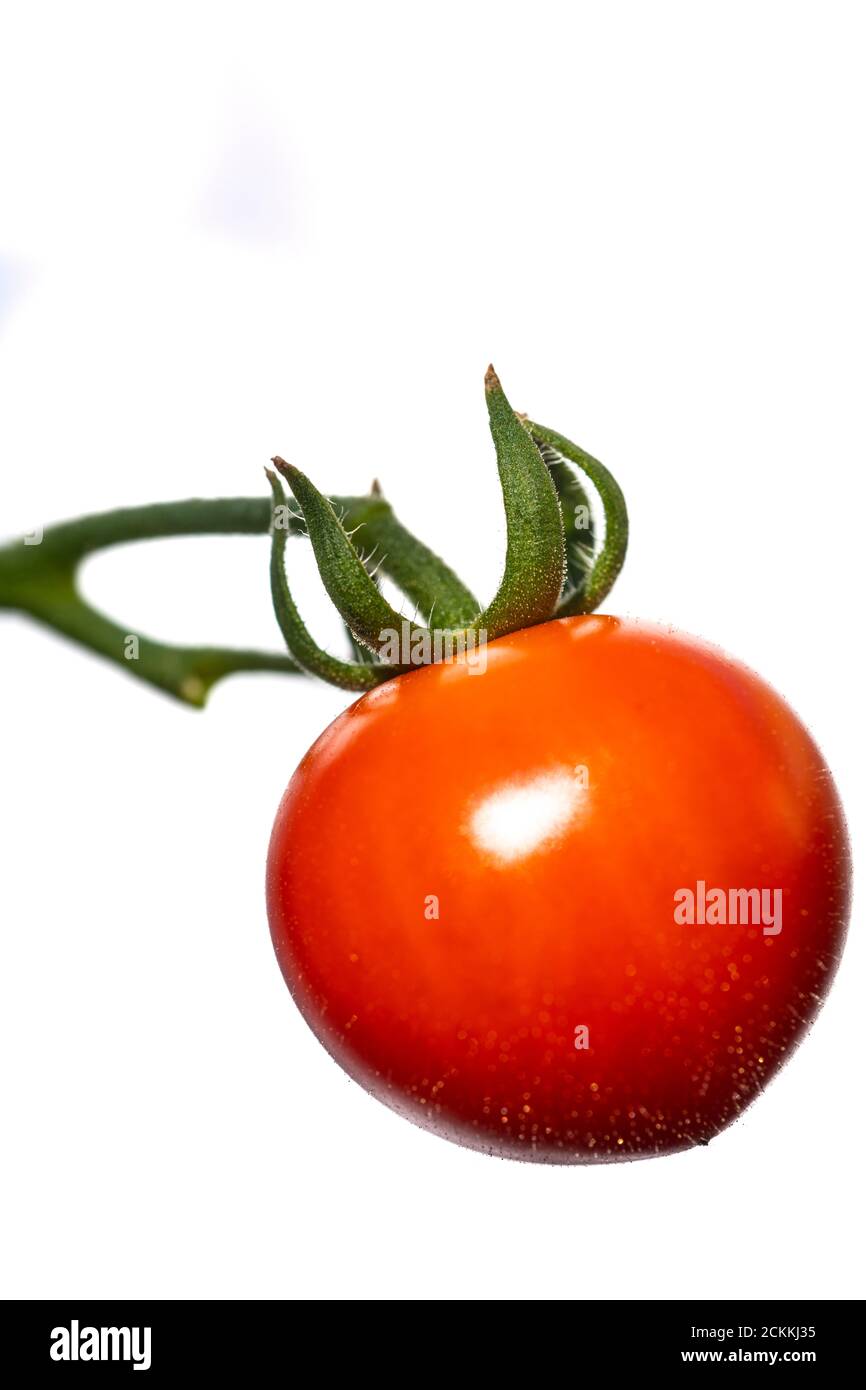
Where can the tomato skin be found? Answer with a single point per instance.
(551, 807)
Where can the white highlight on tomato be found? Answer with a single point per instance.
(519, 818)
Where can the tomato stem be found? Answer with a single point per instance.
(38, 578)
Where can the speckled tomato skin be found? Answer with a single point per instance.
(466, 1023)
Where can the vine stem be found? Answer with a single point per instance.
(38, 577)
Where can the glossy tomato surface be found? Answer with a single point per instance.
(478, 880)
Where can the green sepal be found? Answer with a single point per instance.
(303, 648)
(535, 552)
(578, 522)
(606, 565)
(440, 597)
(354, 594)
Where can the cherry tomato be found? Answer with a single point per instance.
(479, 889)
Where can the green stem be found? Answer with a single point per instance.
(40, 580)
(187, 673)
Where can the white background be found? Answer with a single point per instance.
(234, 230)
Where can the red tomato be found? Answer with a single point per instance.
(478, 889)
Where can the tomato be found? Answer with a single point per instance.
(579, 906)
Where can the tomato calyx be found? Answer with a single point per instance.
(552, 565)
